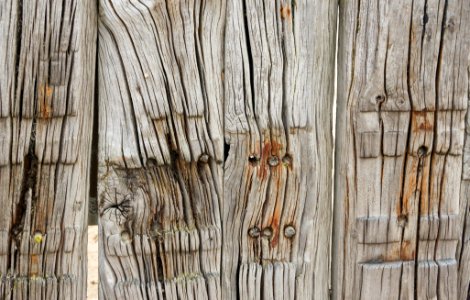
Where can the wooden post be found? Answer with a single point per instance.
(47, 56)
(401, 181)
(463, 250)
(161, 148)
(276, 216)
(164, 199)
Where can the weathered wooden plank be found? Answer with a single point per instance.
(47, 54)
(463, 248)
(400, 198)
(279, 66)
(160, 148)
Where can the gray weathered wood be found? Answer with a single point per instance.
(161, 115)
(464, 245)
(276, 215)
(47, 57)
(160, 148)
(399, 192)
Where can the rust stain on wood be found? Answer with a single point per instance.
(407, 251)
(285, 12)
(45, 96)
(269, 148)
(422, 121)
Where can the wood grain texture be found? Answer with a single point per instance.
(160, 148)
(464, 244)
(401, 187)
(47, 54)
(276, 216)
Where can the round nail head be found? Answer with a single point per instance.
(38, 237)
(268, 232)
(254, 232)
(204, 158)
(125, 236)
(289, 231)
(273, 161)
(287, 160)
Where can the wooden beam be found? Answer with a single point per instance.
(402, 102)
(47, 54)
(279, 67)
(160, 148)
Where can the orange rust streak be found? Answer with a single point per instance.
(45, 93)
(422, 121)
(285, 12)
(275, 219)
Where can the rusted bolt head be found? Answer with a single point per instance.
(268, 232)
(125, 236)
(273, 161)
(289, 231)
(254, 232)
(38, 237)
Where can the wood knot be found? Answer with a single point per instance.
(380, 99)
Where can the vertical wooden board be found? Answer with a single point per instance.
(464, 243)
(400, 162)
(276, 213)
(161, 149)
(47, 53)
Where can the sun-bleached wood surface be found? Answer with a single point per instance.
(276, 215)
(161, 148)
(166, 103)
(401, 190)
(47, 57)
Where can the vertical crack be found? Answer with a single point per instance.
(93, 193)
